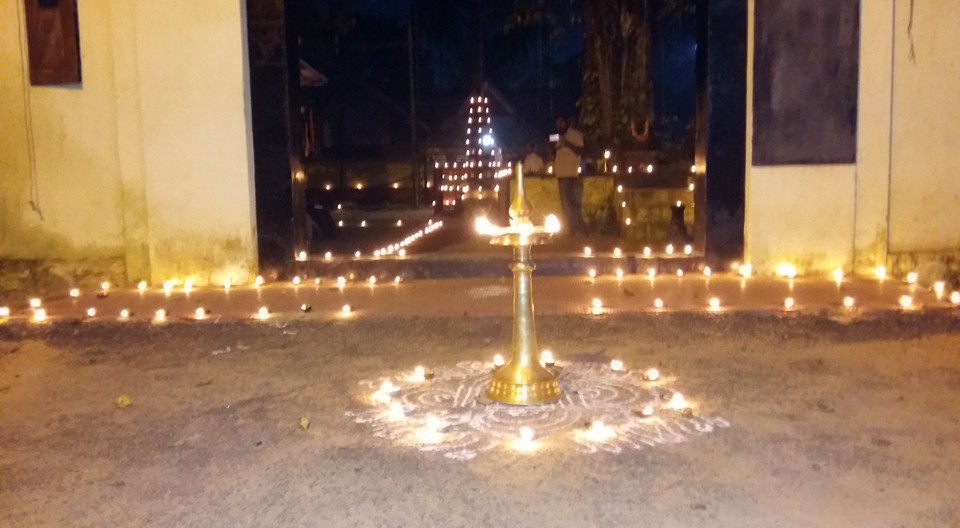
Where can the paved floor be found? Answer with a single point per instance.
(829, 422)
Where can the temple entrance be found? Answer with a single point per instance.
(327, 194)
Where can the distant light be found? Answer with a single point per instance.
(160, 316)
(104, 286)
(357, 254)
(714, 303)
(906, 302)
(647, 251)
(498, 360)
(296, 280)
(91, 312)
(486, 140)
(596, 307)
(341, 281)
(142, 286)
(200, 314)
(598, 432)
(301, 256)
(679, 273)
(606, 154)
(938, 288)
(617, 252)
(785, 269)
(658, 303)
(124, 314)
(651, 374)
(74, 293)
(880, 272)
(788, 303)
(838, 275)
(592, 273)
(372, 280)
(649, 169)
(526, 434)
(328, 255)
(551, 224)
(912, 277)
(263, 313)
(35, 303)
(346, 309)
(677, 401)
(687, 249)
(4, 311)
(419, 374)
(258, 281)
(955, 297)
(651, 273)
(745, 270)
(707, 271)
(619, 273)
(546, 358)
(616, 365)
(669, 249)
(587, 251)
(691, 187)
(39, 315)
(693, 169)
(848, 302)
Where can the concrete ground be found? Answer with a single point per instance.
(833, 422)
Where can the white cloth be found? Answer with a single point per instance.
(566, 163)
(533, 164)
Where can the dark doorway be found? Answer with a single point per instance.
(274, 98)
(721, 126)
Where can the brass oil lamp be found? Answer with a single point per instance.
(522, 380)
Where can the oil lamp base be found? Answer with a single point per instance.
(524, 386)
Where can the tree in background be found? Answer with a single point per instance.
(616, 104)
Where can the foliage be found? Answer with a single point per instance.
(616, 99)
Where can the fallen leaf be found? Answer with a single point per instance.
(304, 423)
(124, 401)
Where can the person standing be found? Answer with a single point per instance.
(566, 165)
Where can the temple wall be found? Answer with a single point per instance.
(144, 169)
(896, 203)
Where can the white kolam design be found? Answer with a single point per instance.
(601, 410)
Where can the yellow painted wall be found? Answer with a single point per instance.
(925, 159)
(147, 163)
(903, 193)
(58, 149)
(798, 214)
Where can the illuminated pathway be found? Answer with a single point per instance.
(330, 298)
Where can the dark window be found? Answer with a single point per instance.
(53, 41)
(805, 76)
